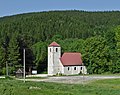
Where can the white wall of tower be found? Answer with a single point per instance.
(54, 53)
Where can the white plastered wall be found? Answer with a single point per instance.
(54, 54)
(72, 70)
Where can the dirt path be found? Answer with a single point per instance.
(74, 79)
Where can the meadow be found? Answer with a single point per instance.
(99, 87)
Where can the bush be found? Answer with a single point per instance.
(3, 71)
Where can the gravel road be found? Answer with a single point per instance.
(74, 79)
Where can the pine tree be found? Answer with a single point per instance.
(13, 53)
(1, 60)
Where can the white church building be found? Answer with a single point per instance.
(69, 63)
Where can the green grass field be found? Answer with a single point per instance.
(100, 87)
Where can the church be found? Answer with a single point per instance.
(70, 63)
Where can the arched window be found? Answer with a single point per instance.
(74, 68)
(68, 68)
(56, 49)
(81, 68)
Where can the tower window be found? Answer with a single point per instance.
(56, 49)
(68, 68)
(81, 68)
(50, 49)
(74, 68)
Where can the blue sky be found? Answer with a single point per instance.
(12, 7)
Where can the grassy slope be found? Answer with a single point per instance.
(101, 87)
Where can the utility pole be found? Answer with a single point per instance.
(24, 62)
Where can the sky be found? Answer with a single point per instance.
(13, 7)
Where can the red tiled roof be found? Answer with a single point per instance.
(54, 44)
(71, 59)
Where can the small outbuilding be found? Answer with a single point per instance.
(19, 73)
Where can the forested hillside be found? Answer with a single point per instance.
(95, 34)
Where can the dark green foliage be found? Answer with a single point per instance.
(1, 60)
(94, 34)
(96, 55)
(40, 52)
(13, 53)
(68, 24)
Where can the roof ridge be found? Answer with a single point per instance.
(71, 52)
(54, 44)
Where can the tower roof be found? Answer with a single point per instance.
(54, 44)
(71, 59)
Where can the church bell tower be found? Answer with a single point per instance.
(54, 54)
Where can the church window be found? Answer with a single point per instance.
(81, 68)
(68, 68)
(56, 49)
(50, 49)
(74, 68)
